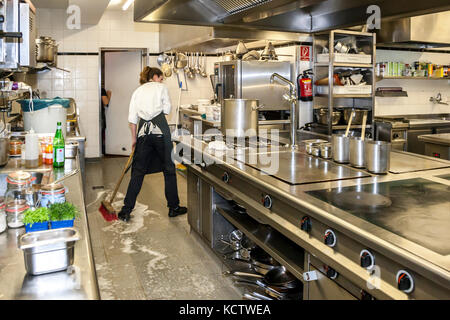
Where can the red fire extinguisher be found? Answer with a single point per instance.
(304, 82)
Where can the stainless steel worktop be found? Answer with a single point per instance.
(79, 282)
(441, 139)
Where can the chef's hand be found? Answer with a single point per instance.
(133, 143)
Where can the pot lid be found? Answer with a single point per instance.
(52, 187)
(19, 177)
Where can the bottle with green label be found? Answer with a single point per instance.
(58, 148)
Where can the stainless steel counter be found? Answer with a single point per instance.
(248, 184)
(441, 139)
(78, 282)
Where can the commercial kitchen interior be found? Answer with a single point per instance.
(332, 227)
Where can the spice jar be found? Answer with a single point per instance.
(15, 148)
(3, 225)
(14, 213)
(18, 186)
(52, 193)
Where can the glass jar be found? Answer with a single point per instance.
(52, 193)
(14, 213)
(3, 225)
(15, 148)
(18, 187)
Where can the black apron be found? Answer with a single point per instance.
(156, 164)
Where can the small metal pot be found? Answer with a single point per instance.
(356, 152)
(341, 149)
(377, 156)
(326, 150)
(315, 150)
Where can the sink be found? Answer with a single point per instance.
(3, 184)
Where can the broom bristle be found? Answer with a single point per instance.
(107, 211)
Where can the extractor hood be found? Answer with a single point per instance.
(305, 16)
(426, 31)
(214, 39)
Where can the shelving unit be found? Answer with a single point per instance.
(410, 78)
(328, 39)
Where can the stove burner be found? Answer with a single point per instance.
(362, 200)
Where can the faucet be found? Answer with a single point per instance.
(438, 99)
(292, 98)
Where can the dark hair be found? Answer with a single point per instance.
(148, 73)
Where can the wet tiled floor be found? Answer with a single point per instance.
(153, 256)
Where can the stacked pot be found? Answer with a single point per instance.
(370, 154)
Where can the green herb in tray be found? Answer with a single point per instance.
(63, 211)
(36, 216)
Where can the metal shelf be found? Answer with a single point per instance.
(411, 78)
(286, 252)
(345, 64)
(345, 95)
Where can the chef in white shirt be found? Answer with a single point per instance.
(152, 141)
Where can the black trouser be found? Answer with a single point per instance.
(147, 147)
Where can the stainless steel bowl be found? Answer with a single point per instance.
(326, 150)
(322, 116)
(357, 117)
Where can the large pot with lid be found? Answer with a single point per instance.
(239, 117)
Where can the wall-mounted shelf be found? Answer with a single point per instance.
(388, 94)
(345, 65)
(345, 95)
(410, 78)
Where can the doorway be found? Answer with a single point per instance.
(120, 69)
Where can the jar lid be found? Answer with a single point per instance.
(19, 177)
(52, 187)
(17, 205)
(15, 142)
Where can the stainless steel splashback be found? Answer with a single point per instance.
(251, 80)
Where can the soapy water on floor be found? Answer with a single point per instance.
(200, 285)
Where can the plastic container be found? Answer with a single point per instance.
(61, 224)
(52, 193)
(43, 115)
(3, 223)
(14, 213)
(38, 226)
(32, 148)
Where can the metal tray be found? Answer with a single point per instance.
(48, 251)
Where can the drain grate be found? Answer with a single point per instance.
(236, 6)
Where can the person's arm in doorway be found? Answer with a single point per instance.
(106, 97)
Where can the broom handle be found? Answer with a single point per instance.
(121, 178)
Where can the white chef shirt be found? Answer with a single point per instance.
(148, 101)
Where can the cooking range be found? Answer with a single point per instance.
(344, 233)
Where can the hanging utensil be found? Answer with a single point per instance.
(203, 69)
(197, 64)
(162, 58)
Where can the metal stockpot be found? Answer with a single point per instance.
(377, 156)
(357, 152)
(239, 117)
(341, 149)
(46, 49)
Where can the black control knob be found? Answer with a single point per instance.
(305, 224)
(226, 177)
(330, 238)
(405, 281)
(367, 260)
(267, 201)
(331, 273)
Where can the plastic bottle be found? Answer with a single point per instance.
(32, 150)
(58, 147)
